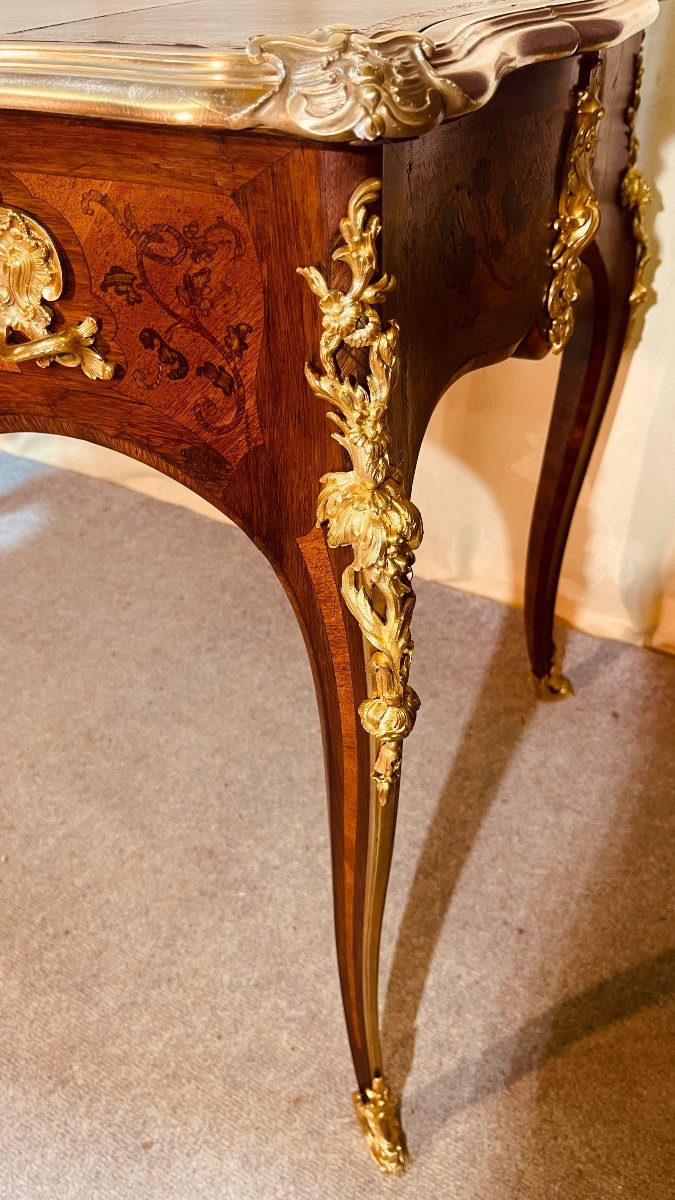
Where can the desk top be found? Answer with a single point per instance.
(337, 70)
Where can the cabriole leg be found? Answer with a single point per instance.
(615, 263)
(366, 509)
(362, 836)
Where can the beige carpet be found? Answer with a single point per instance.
(169, 1019)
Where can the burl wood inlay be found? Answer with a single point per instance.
(492, 220)
(179, 276)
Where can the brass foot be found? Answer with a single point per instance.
(379, 1116)
(554, 686)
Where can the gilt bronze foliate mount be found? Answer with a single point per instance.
(578, 218)
(636, 193)
(366, 508)
(31, 273)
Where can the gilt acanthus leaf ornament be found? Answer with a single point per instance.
(30, 273)
(366, 507)
(338, 82)
(578, 218)
(379, 1116)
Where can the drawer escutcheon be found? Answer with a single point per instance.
(30, 273)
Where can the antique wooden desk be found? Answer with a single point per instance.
(167, 172)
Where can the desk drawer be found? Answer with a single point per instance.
(173, 279)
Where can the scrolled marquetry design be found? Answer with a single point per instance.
(578, 217)
(367, 507)
(30, 273)
(378, 1112)
(636, 193)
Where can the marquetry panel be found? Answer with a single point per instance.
(176, 283)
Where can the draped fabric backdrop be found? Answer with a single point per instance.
(479, 464)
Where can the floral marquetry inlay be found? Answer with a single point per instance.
(180, 277)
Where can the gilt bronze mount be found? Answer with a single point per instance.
(30, 273)
(636, 193)
(578, 217)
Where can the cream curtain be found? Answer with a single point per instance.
(479, 464)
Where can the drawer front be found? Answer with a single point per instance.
(173, 279)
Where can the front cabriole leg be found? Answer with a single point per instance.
(367, 509)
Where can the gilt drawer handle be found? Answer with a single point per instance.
(30, 272)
